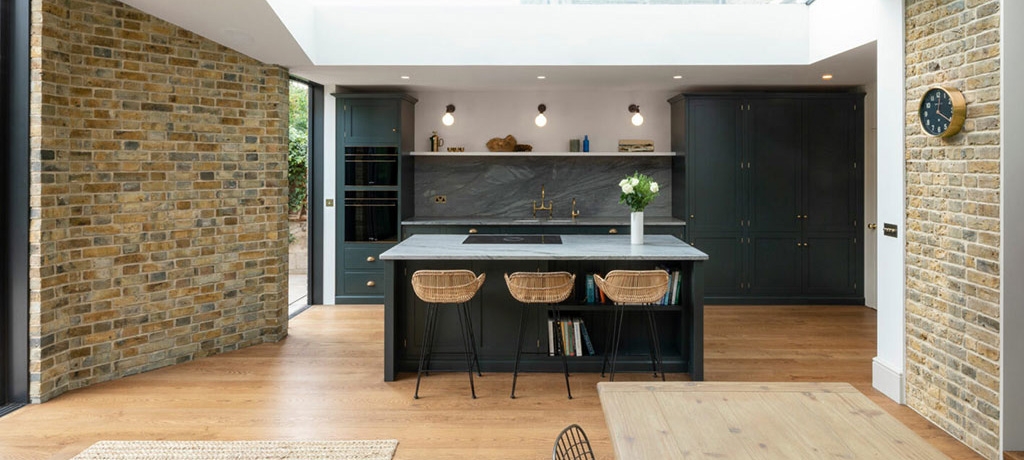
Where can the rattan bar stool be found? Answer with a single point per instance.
(539, 288)
(641, 288)
(454, 287)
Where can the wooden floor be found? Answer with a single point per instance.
(325, 382)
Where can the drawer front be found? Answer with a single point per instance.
(364, 283)
(364, 256)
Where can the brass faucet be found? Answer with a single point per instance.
(575, 212)
(548, 208)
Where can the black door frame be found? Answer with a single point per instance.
(15, 22)
(315, 194)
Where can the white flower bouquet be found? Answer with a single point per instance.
(638, 190)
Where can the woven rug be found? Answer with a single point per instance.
(247, 450)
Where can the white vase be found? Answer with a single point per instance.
(636, 227)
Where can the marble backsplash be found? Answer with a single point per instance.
(507, 186)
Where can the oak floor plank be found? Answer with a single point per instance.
(325, 382)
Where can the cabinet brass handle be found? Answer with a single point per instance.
(371, 259)
(613, 231)
(371, 283)
(472, 230)
(873, 226)
(394, 130)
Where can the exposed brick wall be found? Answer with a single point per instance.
(953, 226)
(159, 193)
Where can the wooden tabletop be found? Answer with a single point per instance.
(726, 420)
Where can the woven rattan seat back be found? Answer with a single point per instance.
(572, 444)
(540, 287)
(636, 287)
(446, 286)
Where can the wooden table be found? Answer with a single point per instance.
(725, 420)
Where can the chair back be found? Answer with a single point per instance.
(572, 444)
(636, 287)
(446, 286)
(540, 287)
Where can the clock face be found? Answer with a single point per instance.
(936, 112)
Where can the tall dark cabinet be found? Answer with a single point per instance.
(774, 194)
(374, 187)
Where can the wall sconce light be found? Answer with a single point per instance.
(637, 118)
(541, 120)
(448, 119)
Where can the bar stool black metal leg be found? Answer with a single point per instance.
(519, 349)
(608, 341)
(617, 338)
(472, 340)
(469, 350)
(430, 345)
(650, 341)
(424, 352)
(657, 343)
(565, 360)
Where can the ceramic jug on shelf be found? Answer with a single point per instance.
(436, 142)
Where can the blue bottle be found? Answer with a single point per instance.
(586, 143)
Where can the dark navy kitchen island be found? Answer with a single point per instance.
(495, 314)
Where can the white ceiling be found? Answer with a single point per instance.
(254, 28)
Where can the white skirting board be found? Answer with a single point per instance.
(887, 380)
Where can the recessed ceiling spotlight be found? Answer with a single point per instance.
(405, 77)
(541, 77)
(826, 76)
(677, 77)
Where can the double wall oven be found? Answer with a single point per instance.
(371, 195)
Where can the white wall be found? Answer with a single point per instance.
(330, 192)
(1013, 225)
(602, 115)
(871, 195)
(836, 26)
(888, 365)
(561, 34)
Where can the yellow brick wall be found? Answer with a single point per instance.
(953, 223)
(158, 196)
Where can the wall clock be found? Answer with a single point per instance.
(942, 111)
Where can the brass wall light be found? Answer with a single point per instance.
(637, 118)
(541, 120)
(448, 119)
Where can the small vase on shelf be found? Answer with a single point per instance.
(636, 227)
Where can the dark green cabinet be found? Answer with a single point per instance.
(374, 136)
(774, 194)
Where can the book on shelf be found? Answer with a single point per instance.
(576, 331)
(586, 339)
(551, 336)
(590, 289)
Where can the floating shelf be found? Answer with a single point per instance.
(543, 154)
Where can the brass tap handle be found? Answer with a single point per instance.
(575, 212)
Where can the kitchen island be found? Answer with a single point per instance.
(494, 312)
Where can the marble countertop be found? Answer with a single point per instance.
(586, 221)
(573, 247)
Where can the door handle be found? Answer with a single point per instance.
(873, 226)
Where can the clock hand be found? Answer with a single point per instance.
(941, 115)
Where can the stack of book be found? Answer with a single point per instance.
(672, 294)
(571, 334)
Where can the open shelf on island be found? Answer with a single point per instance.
(543, 154)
